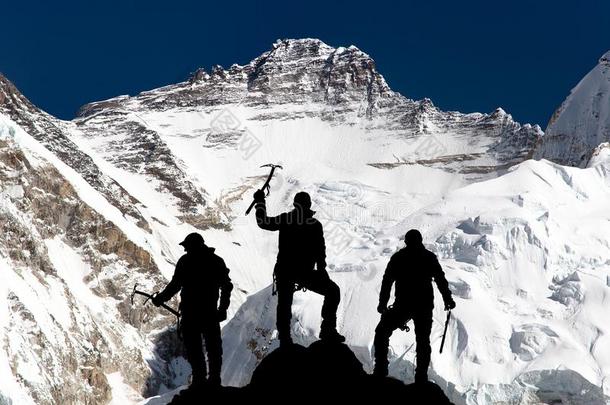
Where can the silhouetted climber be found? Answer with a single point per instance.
(412, 269)
(301, 248)
(202, 277)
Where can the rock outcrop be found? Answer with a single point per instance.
(322, 372)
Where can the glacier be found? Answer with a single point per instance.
(524, 243)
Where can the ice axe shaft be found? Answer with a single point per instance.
(445, 332)
(149, 297)
(265, 186)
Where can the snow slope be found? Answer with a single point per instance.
(528, 261)
(520, 240)
(582, 122)
(59, 324)
(70, 260)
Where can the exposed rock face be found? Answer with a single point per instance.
(311, 71)
(293, 71)
(307, 78)
(139, 150)
(582, 122)
(153, 167)
(72, 347)
(51, 133)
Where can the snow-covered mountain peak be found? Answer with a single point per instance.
(298, 50)
(186, 157)
(301, 71)
(305, 72)
(582, 122)
(302, 83)
(499, 113)
(297, 47)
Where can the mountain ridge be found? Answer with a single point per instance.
(148, 169)
(582, 121)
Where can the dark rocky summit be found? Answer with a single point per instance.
(322, 372)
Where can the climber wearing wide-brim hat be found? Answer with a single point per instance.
(203, 280)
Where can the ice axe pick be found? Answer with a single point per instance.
(265, 186)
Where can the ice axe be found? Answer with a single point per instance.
(149, 297)
(445, 332)
(265, 186)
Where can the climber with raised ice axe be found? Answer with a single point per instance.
(203, 279)
(301, 248)
(412, 269)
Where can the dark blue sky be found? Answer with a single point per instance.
(524, 56)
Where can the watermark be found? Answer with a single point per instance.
(430, 146)
(338, 240)
(426, 147)
(248, 144)
(354, 192)
(366, 272)
(225, 121)
(352, 214)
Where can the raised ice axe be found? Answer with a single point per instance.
(265, 186)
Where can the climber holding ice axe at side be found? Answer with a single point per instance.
(203, 279)
(412, 269)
